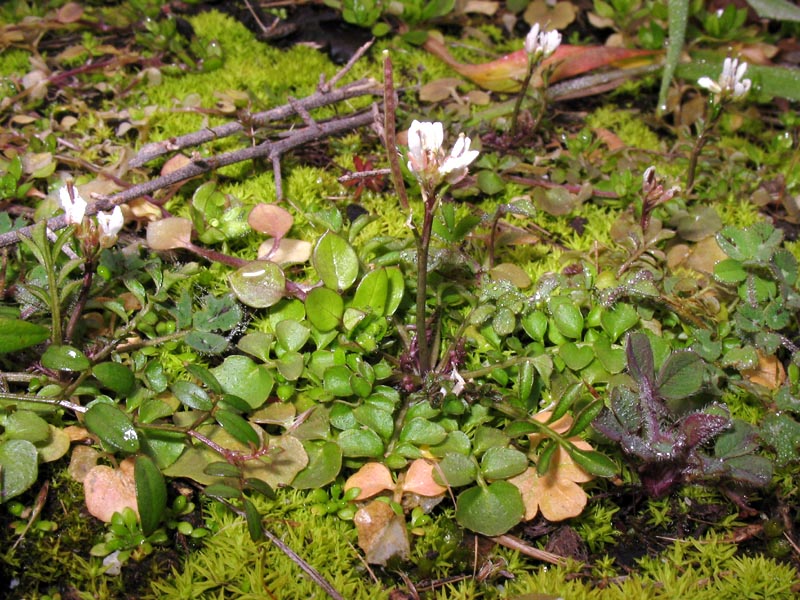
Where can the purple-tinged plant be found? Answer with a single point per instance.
(657, 426)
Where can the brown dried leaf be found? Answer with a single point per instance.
(769, 372)
(440, 89)
(381, 533)
(69, 13)
(373, 478)
(82, 460)
(174, 163)
(288, 252)
(110, 490)
(553, 17)
(169, 233)
(483, 7)
(419, 479)
(270, 219)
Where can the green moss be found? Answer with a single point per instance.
(628, 126)
(14, 62)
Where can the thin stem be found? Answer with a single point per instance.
(390, 132)
(518, 104)
(83, 297)
(716, 111)
(423, 248)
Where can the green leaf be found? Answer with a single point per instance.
(253, 518)
(26, 425)
(206, 342)
(291, 334)
(237, 427)
(259, 284)
(19, 468)
(618, 320)
(222, 469)
(492, 510)
(205, 376)
(729, 271)
(372, 293)
(593, 462)
(16, 335)
(490, 183)
(678, 15)
(335, 261)
(422, 432)
(574, 356)
(64, 358)
(222, 490)
(455, 470)
(151, 494)
(585, 418)
(502, 463)
(488, 437)
(324, 308)
(336, 381)
(191, 395)
(567, 317)
(782, 433)
(681, 375)
(377, 419)
(242, 377)
(112, 426)
(116, 377)
(360, 442)
(780, 10)
(324, 464)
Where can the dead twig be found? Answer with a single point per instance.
(514, 543)
(151, 151)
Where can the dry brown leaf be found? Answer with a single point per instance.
(270, 219)
(373, 478)
(77, 434)
(174, 163)
(419, 479)
(109, 490)
(557, 16)
(609, 138)
(440, 89)
(82, 460)
(769, 372)
(69, 13)
(381, 533)
(483, 7)
(288, 252)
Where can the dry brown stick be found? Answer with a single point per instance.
(198, 166)
(509, 541)
(318, 99)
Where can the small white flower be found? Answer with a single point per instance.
(427, 159)
(74, 206)
(110, 224)
(541, 44)
(424, 146)
(731, 81)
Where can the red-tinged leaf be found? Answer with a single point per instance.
(507, 72)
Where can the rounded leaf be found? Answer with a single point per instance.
(169, 233)
(19, 465)
(455, 470)
(360, 442)
(324, 464)
(242, 377)
(270, 219)
(64, 358)
(492, 510)
(502, 463)
(115, 377)
(335, 261)
(567, 317)
(259, 284)
(324, 308)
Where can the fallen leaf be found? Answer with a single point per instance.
(381, 533)
(82, 460)
(373, 478)
(769, 372)
(419, 479)
(288, 252)
(270, 219)
(108, 490)
(556, 16)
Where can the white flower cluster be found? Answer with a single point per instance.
(541, 44)
(75, 209)
(731, 81)
(429, 162)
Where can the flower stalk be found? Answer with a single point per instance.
(539, 45)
